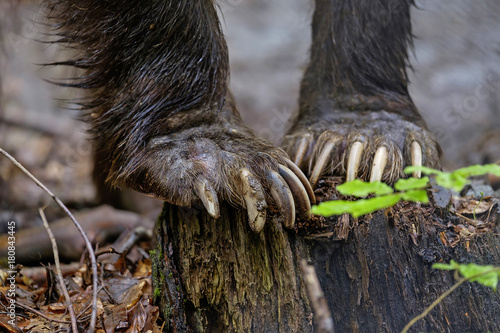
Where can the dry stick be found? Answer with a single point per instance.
(35, 273)
(41, 314)
(17, 314)
(88, 245)
(83, 311)
(317, 297)
(443, 296)
(69, 304)
(124, 245)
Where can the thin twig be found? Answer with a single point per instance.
(108, 250)
(60, 277)
(444, 295)
(39, 274)
(41, 314)
(83, 311)
(324, 319)
(125, 243)
(17, 314)
(88, 245)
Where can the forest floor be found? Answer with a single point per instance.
(455, 84)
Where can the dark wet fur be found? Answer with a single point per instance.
(363, 45)
(159, 107)
(143, 62)
(359, 50)
(156, 74)
(355, 88)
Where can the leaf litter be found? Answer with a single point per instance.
(124, 298)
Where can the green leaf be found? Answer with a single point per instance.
(488, 280)
(425, 170)
(457, 179)
(360, 188)
(478, 170)
(451, 180)
(445, 180)
(453, 265)
(355, 208)
(415, 196)
(468, 270)
(411, 184)
(366, 206)
(329, 208)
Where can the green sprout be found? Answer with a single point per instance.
(411, 189)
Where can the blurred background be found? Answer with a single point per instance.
(455, 83)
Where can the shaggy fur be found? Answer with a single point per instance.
(356, 88)
(359, 46)
(156, 74)
(144, 61)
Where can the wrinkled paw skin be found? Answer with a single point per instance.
(372, 146)
(221, 161)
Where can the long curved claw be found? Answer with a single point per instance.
(282, 194)
(208, 197)
(354, 160)
(379, 163)
(303, 179)
(302, 149)
(416, 158)
(255, 201)
(300, 195)
(321, 162)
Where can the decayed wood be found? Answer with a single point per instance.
(219, 276)
(379, 279)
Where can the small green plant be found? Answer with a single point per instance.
(457, 179)
(411, 189)
(486, 275)
(414, 189)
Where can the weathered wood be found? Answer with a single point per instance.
(380, 276)
(378, 280)
(219, 276)
(225, 278)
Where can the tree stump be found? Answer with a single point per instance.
(219, 276)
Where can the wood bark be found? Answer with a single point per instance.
(219, 276)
